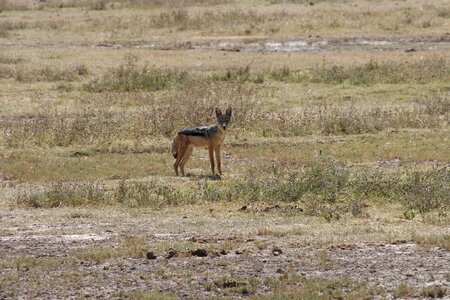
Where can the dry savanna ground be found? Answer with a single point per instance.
(336, 165)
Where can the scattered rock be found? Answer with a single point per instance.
(214, 254)
(231, 284)
(171, 253)
(270, 208)
(151, 255)
(343, 247)
(243, 208)
(79, 154)
(198, 240)
(284, 208)
(277, 251)
(397, 242)
(79, 215)
(234, 49)
(200, 252)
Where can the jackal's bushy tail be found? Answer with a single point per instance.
(174, 149)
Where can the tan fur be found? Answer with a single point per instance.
(183, 146)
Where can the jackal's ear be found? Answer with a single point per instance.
(229, 111)
(218, 112)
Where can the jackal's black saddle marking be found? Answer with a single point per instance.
(200, 131)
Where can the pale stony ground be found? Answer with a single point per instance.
(48, 245)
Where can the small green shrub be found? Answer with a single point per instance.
(293, 286)
(426, 190)
(99, 5)
(368, 181)
(371, 72)
(434, 292)
(6, 71)
(241, 74)
(50, 73)
(403, 291)
(327, 189)
(63, 194)
(129, 77)
(235, 285)
(4, 59)
(148, 194)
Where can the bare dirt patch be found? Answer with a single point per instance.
(309, 44)
(70, 253)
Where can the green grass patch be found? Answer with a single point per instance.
(25, 74)
(369, 73)
(434, 292)
(103, 127)
(234, 285)
(291, 285)
(131, 247)
(145, 295)
(327, 188)
(404, 291)
(65, 194)
(128, 77)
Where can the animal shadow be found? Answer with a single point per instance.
(203, 176)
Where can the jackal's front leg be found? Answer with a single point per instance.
(211, 159)
(219, 167)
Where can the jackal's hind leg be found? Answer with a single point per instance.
(181, 152)
(185, 159)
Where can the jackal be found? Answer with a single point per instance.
(210, 137)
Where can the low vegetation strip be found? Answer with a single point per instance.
(180, 17)
(100, 126)
(158, 102)
(374, 71)
(326, 189)
(130, 77)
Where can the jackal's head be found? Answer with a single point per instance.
(223, 120)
